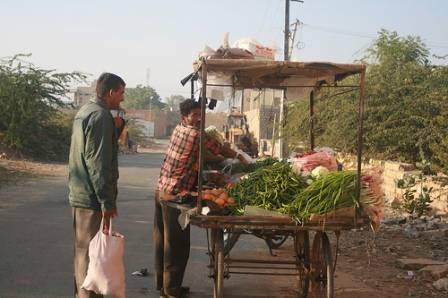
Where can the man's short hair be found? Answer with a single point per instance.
(187, 106)
(106, 82)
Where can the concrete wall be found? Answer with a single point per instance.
(393, 171)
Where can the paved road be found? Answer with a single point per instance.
(37, 245)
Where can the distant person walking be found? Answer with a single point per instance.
(93, 170)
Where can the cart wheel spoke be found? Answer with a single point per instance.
(302, 249)
(322, 278)
(218, 264)
(230, 239)
(276, 241)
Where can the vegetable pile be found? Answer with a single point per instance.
(271, 187)
(328, 192)
(278, 188)
(249, 168)
(218, 196)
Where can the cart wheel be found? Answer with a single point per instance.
(276, 241)
(302, 248)
(230, 239)
(211, 251)
(322, 278)
(218, 265)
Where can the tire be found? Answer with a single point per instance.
(219, 266)
(276, 241)
(230, 239)
(302, 249)
(322, 278)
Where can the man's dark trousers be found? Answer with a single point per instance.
(172, 248)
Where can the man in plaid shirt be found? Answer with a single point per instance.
(179, 171)
(178, 175)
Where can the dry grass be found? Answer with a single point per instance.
(8, 176)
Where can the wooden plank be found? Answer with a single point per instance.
(220, 223)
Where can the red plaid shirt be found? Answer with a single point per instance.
(180, 167)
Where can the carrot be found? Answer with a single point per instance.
(208, 196)
(220, 202)
(223, 196)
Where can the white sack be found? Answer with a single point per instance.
(105, 274)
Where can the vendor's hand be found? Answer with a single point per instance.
(119, 122)
(107, 215)
(183, 193)
(220, 158)
(242, 159)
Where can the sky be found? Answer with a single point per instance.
(134, 37)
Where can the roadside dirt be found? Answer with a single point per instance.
(373, 259)
(16, 171)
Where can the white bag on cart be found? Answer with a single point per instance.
(105, 274)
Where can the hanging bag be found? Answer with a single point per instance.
(105, 274)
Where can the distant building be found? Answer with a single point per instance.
(83, 94)
(156, 123)
(262, 109)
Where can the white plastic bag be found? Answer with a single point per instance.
(105, 274)
(244, 155)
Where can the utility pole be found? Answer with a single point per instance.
(148, 75)
(286, 50)
(286, 38)
(283, 111)
(295, 25)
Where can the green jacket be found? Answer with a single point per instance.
(93, 165)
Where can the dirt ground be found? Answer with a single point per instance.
(367, 262)
(372, 258)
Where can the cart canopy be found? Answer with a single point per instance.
(248, 74)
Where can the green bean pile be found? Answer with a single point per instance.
(331, 191)
(249, 168)
(271, 187)
(278, 188)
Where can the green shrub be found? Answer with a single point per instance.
(406, 114)
(31, 118)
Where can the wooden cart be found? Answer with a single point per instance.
(313, 262)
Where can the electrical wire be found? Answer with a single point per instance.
(339, 31)
(364, 35)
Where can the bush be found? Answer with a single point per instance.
(31, 118)
(406, 116)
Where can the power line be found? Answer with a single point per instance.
(364, 35)
(339, 31)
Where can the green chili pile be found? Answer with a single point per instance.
(278, 188)
(249, 168)
(271, 187)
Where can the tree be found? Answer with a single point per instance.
(173, 102)
(136, 131)
(142, 98)
(31, 100)
(406, 106)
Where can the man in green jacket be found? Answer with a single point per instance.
(93, 170)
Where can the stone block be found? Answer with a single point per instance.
(441, 284)
(435, 271)
(416, 264)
